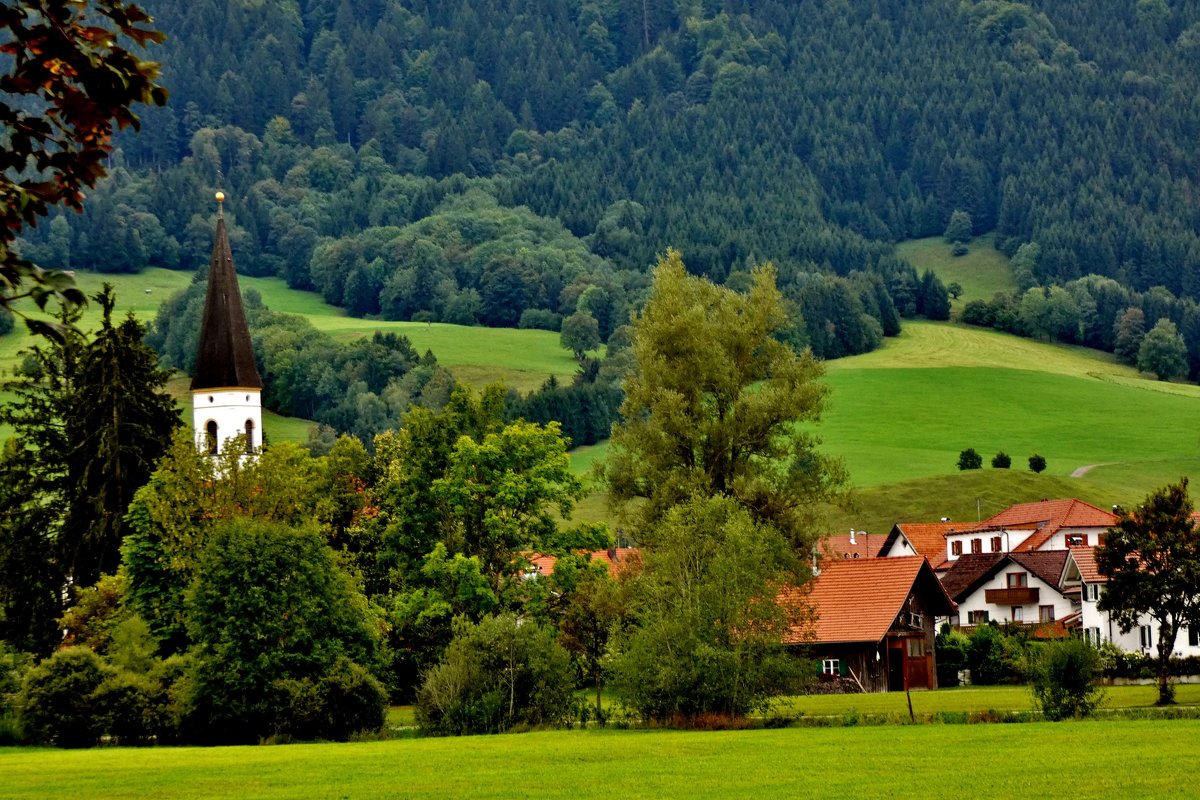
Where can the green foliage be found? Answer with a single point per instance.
(97, 611)
(173, 516)
(58, 703)
(713, 405)
(501, 673)
(969, 459)
(269, 605)
(709, 629)
(580, 333)
(90, 418)
(951, 647)
(959, 228)
(1001, 460)
(1163, 352)
(996, 656)
(1151, 559)
(1063, 678)
(1130, 330)
(1037, 463)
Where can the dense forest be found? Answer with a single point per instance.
(513, 162)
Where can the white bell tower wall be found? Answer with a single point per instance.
(232, 411)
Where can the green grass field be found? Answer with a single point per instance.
(1127, 759)
(981, 273)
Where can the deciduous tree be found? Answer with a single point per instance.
(1151, 559)
(1163, 352)
(718, 407)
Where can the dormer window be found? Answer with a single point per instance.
(956, 548)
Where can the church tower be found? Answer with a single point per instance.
(226, 387)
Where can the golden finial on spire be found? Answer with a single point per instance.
(220, 204)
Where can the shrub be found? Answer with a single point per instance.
(951, 649)
(57, 704)
(1001, 460)
(978, 312)
(13, 666)
(1037, 463)
(1063, 678)
(541, 319)
(352, 701)
(969, 459)
(124, 705)
(498, 674)
(994, 656)
(959, 249)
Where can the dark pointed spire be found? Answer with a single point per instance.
(225, 357)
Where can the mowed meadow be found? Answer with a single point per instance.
(1125, 758)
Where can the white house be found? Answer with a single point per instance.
(1022, 588)
(1029, 527)
(1079, 570)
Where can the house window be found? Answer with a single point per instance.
(956, 548)
(1147, 637)
(1018, 614)
(996, 545)
(831, 666)
(211, 435)
(1092, 636)
(1091, 592)
(1193, 636)
(1018, 580)
(1076, 540)
(916, 648)
(249, 436)
(1046, 613)
(979, 617)
(977, 545)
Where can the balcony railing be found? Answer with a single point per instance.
(1012, 597)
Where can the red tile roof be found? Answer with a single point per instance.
(838, 546)
(857, 600)
(929, 538)
(619, 559)
(1085, 559)
(1045, 518)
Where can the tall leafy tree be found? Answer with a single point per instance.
(1151, 559)
(1163, 351)
(715, 407)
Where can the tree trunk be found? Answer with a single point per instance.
(1166, 642)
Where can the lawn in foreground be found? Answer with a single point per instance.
(1127, 759)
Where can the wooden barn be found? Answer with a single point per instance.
(873, 621)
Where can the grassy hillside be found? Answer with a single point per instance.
(982, 272)
(900, 416)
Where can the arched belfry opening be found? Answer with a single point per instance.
(226, 386)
